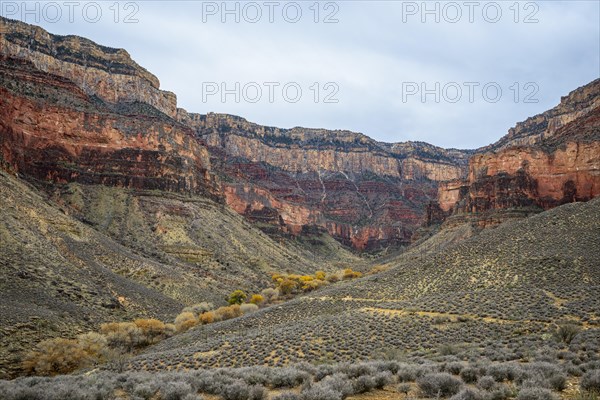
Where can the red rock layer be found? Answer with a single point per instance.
(561, 166)
(53, 131)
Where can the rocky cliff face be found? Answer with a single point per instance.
(108, 73)
(53, 131)
(548, 160)
(544, 126)
(364, 193)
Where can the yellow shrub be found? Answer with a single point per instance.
(56, 356)
(94, 344)
(152, 330)
(122, 334)
(320, 275)
(229, 312)
(257, 299)
(185, 321)
(287, 286)
(208, 317)
(350, 274)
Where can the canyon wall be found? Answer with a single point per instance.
(108, 73)
(548, 160)
(366, 194)
(52, 131)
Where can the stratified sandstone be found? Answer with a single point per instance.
(365, 193)
(108, 73)
(541, 164)
(53, 131)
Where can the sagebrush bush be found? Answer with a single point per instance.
(566, 333)
(468, 394)
(536, 393)
(363, 384)
(270, 295)
(248, 308)
(288, 378)
(590, 381)
(174, 390)
(439, 384)
(320, 392)
(486, 382)
(469, 374)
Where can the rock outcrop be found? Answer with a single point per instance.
(108, 73)
(365, 193)
(548, 160)
(53, 131)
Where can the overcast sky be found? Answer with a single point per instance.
(366, 63)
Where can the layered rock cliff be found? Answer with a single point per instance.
(108, 73)
(548, 160)
(53, 131)
(365, 193)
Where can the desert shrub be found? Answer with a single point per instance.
(270, 294)
(258, 392)
(469, 374)
(455, 367)
(468, 394)
(192, 396)
(350, 274)
(363, 384)
(152, 330)
(356, 370)
(382, 379)
(338, 383)
(94, 344)
(504, 372)
(288, 377)
(229, 312)
(590, 381)
(486, 382)
(248, 308)
(174, 390)
(257, 299)
(447, 350)
(404, 388)
(313, 285)
(439, 384)
(207, 318)
(407, 373)
(146, 390)
(501, 392)
(534, 393)
(237, 297)
(239, 390)
(287, 286)
(544, 375)
(56, 356)
(199, 308)
(185, 321)
(321, 392)
(566, 333)
(320, 275)
(125, 335)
